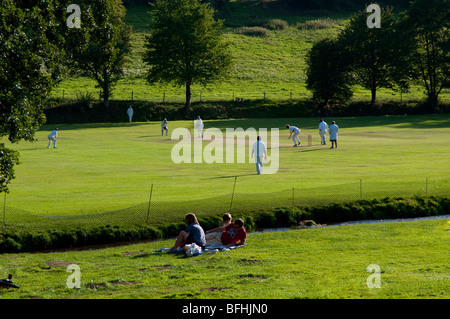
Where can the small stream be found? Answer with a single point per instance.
(356, 222)
(265, 230)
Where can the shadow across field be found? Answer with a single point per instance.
(431, 121)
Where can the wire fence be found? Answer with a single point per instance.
(179, 97)
(157, 211)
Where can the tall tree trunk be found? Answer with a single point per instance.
(106, 96)
(374, 96)
(106, 88)
(188, 98)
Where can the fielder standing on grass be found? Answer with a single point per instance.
(323, 127)
(52, 138)
(164, 127)
(199, 126)
(333, 129)
(259, 149)
(130, 113)
(295, 132)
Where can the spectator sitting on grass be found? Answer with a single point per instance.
(226, 220)
(232, 235)
(192, 234)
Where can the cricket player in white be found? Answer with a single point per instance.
(323, 128)
(199, 126)
(164, 126)
(259, 149)
(130, 113)
(52, 138)
(295, 131)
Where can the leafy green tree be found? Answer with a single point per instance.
(31, 63)
(373, 53)
(428, 24)
(100, 46)
(186, 45)
(327, 74)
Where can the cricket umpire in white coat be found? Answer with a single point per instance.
(259, 149)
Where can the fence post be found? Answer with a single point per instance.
(293, 196)
(232, 194)
(132, 93)
(149, 203)
(4, 210)
(426, 187)
(360, 189)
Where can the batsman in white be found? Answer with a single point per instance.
(323, 128)
(199, 126)
(52, 138)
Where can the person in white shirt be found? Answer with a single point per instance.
(130, 113)
(323, 127)
(199, 126)
(259, 150)
(52, 138)
(333, 129)
(164, 126)
(295, 131)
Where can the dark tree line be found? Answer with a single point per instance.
(41, 43)
(341, 5)
(38, 49)
(413, 46)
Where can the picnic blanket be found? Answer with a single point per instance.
(194, 251)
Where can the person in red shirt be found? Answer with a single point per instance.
(232, 235)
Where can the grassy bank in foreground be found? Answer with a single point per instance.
(328, 262)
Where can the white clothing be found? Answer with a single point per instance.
(52, 138)
(295, 133)
(130, 113)
(333, 129)
(262, 150)
(199, 126)
(259, 150)
(323, 128)
(54, 133)
(164, 126)
(294, 129)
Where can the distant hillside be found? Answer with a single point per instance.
(269, 40)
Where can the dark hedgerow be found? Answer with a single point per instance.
(14, 240)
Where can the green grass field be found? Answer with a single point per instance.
(106, 167)
(329, 262)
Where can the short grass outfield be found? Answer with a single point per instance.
(323, 262)
(106, 167)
